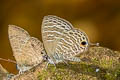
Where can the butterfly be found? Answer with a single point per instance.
(26, 49)
(61, 40)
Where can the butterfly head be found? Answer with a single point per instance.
(82, 40)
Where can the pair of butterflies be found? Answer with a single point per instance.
(61, 42)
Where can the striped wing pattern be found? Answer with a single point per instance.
(61, 40)
(70, 43)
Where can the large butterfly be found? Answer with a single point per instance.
(61, 40)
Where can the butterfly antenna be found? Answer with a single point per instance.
(94, 44)
(8, 60)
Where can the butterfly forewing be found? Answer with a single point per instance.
(53, 28)
(26, 49)
(18, 38)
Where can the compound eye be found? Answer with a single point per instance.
(83, 43)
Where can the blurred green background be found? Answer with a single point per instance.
(100, 19)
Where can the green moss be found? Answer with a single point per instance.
(98, 58)
(109, 76)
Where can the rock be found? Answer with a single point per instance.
(104, 60)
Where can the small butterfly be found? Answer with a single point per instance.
(26, 49)
(61, 40)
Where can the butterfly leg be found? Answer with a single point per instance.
(9, 76)
(75, 59)
(23, 68)
(19, 68)
(21, 72)
(66, 62)
(50, 62)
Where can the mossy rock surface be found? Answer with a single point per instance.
(98, 63)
